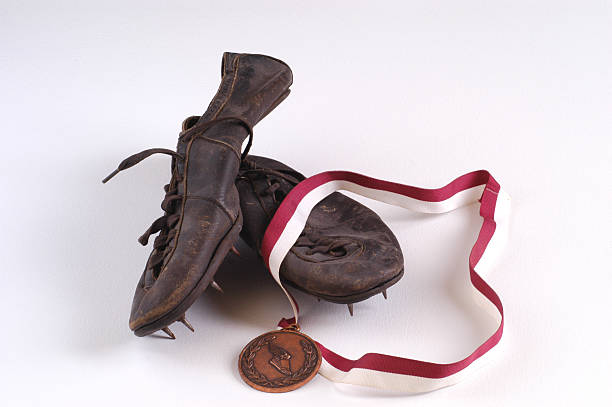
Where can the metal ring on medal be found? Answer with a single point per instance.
(279, 361)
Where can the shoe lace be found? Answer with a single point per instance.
(166, 224)
(274, 178)
(335, 247)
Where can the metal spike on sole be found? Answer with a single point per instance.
(169, 332)
(384, 293)
(235, 251)
(184, 321)
(350, 307)
(216, 286)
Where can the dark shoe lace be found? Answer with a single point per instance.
(166, 223)
(274, 178)
(335, 247)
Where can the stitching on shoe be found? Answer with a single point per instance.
(222, 143)
(231, 91)
(215, 202)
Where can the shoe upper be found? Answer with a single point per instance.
(202, 210)
(345, 248)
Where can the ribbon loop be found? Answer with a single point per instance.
(385, 371)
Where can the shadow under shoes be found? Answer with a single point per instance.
(202, 217)
(345, 253)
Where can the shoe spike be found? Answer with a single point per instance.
(169, 332)
(216, 286)
(350, 307)
(384, 293)
(184, 321)
(235, 251)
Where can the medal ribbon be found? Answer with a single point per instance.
(385, 371)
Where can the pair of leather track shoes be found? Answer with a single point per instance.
(344, 255)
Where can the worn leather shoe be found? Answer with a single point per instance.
(202, 217)
(345, 254)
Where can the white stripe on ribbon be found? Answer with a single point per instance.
(383, 371)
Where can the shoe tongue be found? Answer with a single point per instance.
(181, 145)
(181, 148)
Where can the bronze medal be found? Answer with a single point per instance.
(279, 361)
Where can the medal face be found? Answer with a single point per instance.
(279, 361)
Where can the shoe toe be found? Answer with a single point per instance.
(363, 259)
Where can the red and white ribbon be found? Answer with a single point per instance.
(385, 371)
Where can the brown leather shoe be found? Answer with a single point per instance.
(202, 218)
(345, 254)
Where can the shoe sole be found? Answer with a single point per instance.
(353, 298)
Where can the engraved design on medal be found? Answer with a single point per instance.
(279, 361)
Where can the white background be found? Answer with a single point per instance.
(414, 92)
